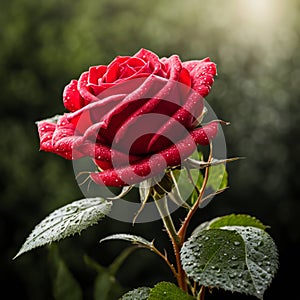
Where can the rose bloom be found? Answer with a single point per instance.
(135, 117)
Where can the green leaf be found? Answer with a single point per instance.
(236, 220)
(106, 286)
(134, 239)
(66, 221)
(65, 287)
(218, 177)
(141, 293)
(185, 183)
(118, 261)
(105, 283)
(168, 291)
(236, 258)
(231, 220)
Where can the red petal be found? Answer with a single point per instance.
(96, 73)
(185, 77)
(202, 73)
(112, 73)
(153, 59)
(46, 130)
(85, 90)
(71, 97)
(157, 163)
(160, 90)
(183, 117)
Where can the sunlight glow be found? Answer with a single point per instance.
(257, 10)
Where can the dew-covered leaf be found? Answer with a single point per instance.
(66, 221)
(141, 293)
(236, 258)
(134, 239)
(236, 220)
(168, 291)
(231, 220)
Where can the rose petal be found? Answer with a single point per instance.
(96, 73)
(157, 93)
(85, 89)
(184, 116)
(131, 102)
(71, 97)
(93, 112)
(202, 73)
(157, 163)
(54, 139)
(45, 130)
(153, 59)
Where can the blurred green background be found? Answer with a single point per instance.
(45, 44)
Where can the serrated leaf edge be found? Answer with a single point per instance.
(26, 245)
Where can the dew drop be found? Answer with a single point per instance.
(234, 266)
(263, 275)
(234, 257)
(236, 243)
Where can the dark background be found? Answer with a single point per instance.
(45, 44)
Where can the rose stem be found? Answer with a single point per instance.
(182, 231)
(165, 258)
(162, 207)
(201, 293)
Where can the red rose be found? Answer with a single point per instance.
(135, 117)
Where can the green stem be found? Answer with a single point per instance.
(182, 231)
(163, 209)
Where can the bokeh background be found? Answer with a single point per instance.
(45, 44)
